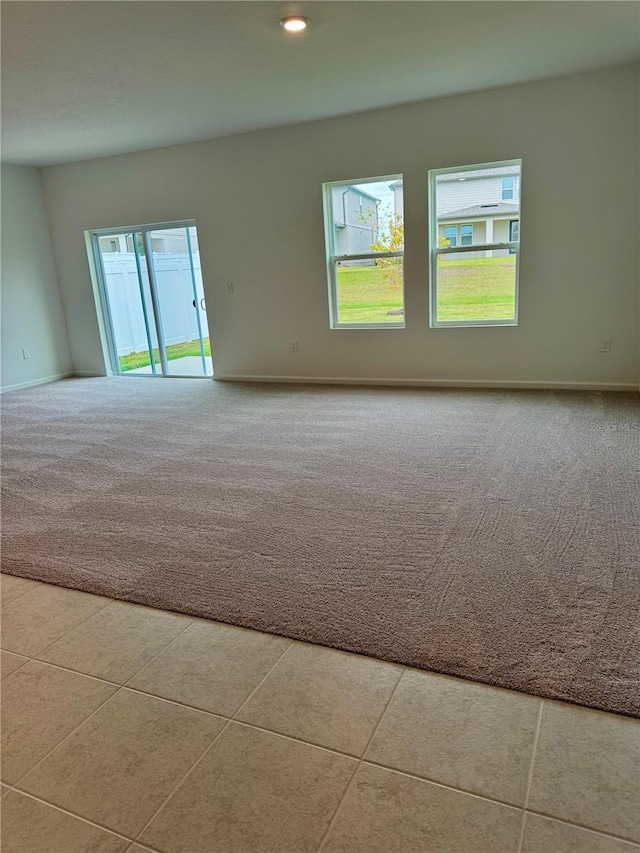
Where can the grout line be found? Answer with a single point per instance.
(71, 814)
(145, 846)
(73, 671)
(418, 778)
(66, 633)
(530, 776)
(66, 737)
(24, 663)
(101, 678)
(262, 680)
(176, 702)
(360, 761)
(182, 780)
(330, 749)
(163, 649)
(20, 594)
(211, 745)
(359, 764)
(439, 784)
(95, 711)
(626, 838)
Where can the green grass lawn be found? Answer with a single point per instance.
(478, 289)
(365, 295)
(141, 359)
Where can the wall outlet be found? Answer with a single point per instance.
(605, 346)
(293, 346)
(229, 287)
(26, 353)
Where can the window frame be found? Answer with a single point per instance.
(511, 189)
(448, 237)
(513, 222)
(332, 259)
(93, 237)
(435, 251)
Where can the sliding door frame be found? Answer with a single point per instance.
(95, 235)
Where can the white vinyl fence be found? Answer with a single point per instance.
(175, 296)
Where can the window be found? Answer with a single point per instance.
(466, 232)
(474, 266)
(364, 235)
(510, 188)
(514, 233)
(507, 188)
(458, 234)
(451, 234)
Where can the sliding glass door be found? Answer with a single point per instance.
(154, 302)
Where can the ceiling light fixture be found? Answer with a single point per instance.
(295, 23)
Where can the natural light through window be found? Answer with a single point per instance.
(475, 233)
(364, 229)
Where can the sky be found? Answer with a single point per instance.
(380, 189)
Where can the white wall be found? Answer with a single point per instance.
(257, 202)
(32, 315)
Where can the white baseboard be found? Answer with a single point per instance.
(348, 380)
(33, 382)
(437, 383)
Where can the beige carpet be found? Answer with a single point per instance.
(491, 535)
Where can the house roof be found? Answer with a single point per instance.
(499, 209)
(357, 190)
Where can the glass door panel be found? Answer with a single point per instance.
(156, 306)
(134, 337)
(180, 302)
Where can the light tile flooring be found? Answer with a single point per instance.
(131, 729)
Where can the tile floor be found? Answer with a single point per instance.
(131, 729)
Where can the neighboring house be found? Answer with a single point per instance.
(167, 241)
(481, 206)
(355, 220)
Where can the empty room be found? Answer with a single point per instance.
(320, 426)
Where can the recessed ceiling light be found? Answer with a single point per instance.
(295, 23)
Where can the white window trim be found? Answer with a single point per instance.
(332, 260)
(435, 251)
(514, 188)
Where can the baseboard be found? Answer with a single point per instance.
(33, 382)
(437, 383)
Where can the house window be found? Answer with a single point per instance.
(514, 233)
(455, 235)
(451, 235)
(364, 235)
(510, 188)
(474, 269)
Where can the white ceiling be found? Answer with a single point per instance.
(89, 78)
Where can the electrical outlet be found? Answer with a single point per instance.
(605, 345)
(293, 346)
(26, 353)
(229, 287)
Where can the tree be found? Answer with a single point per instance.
(391, 239)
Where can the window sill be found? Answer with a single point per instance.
(366, 326)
